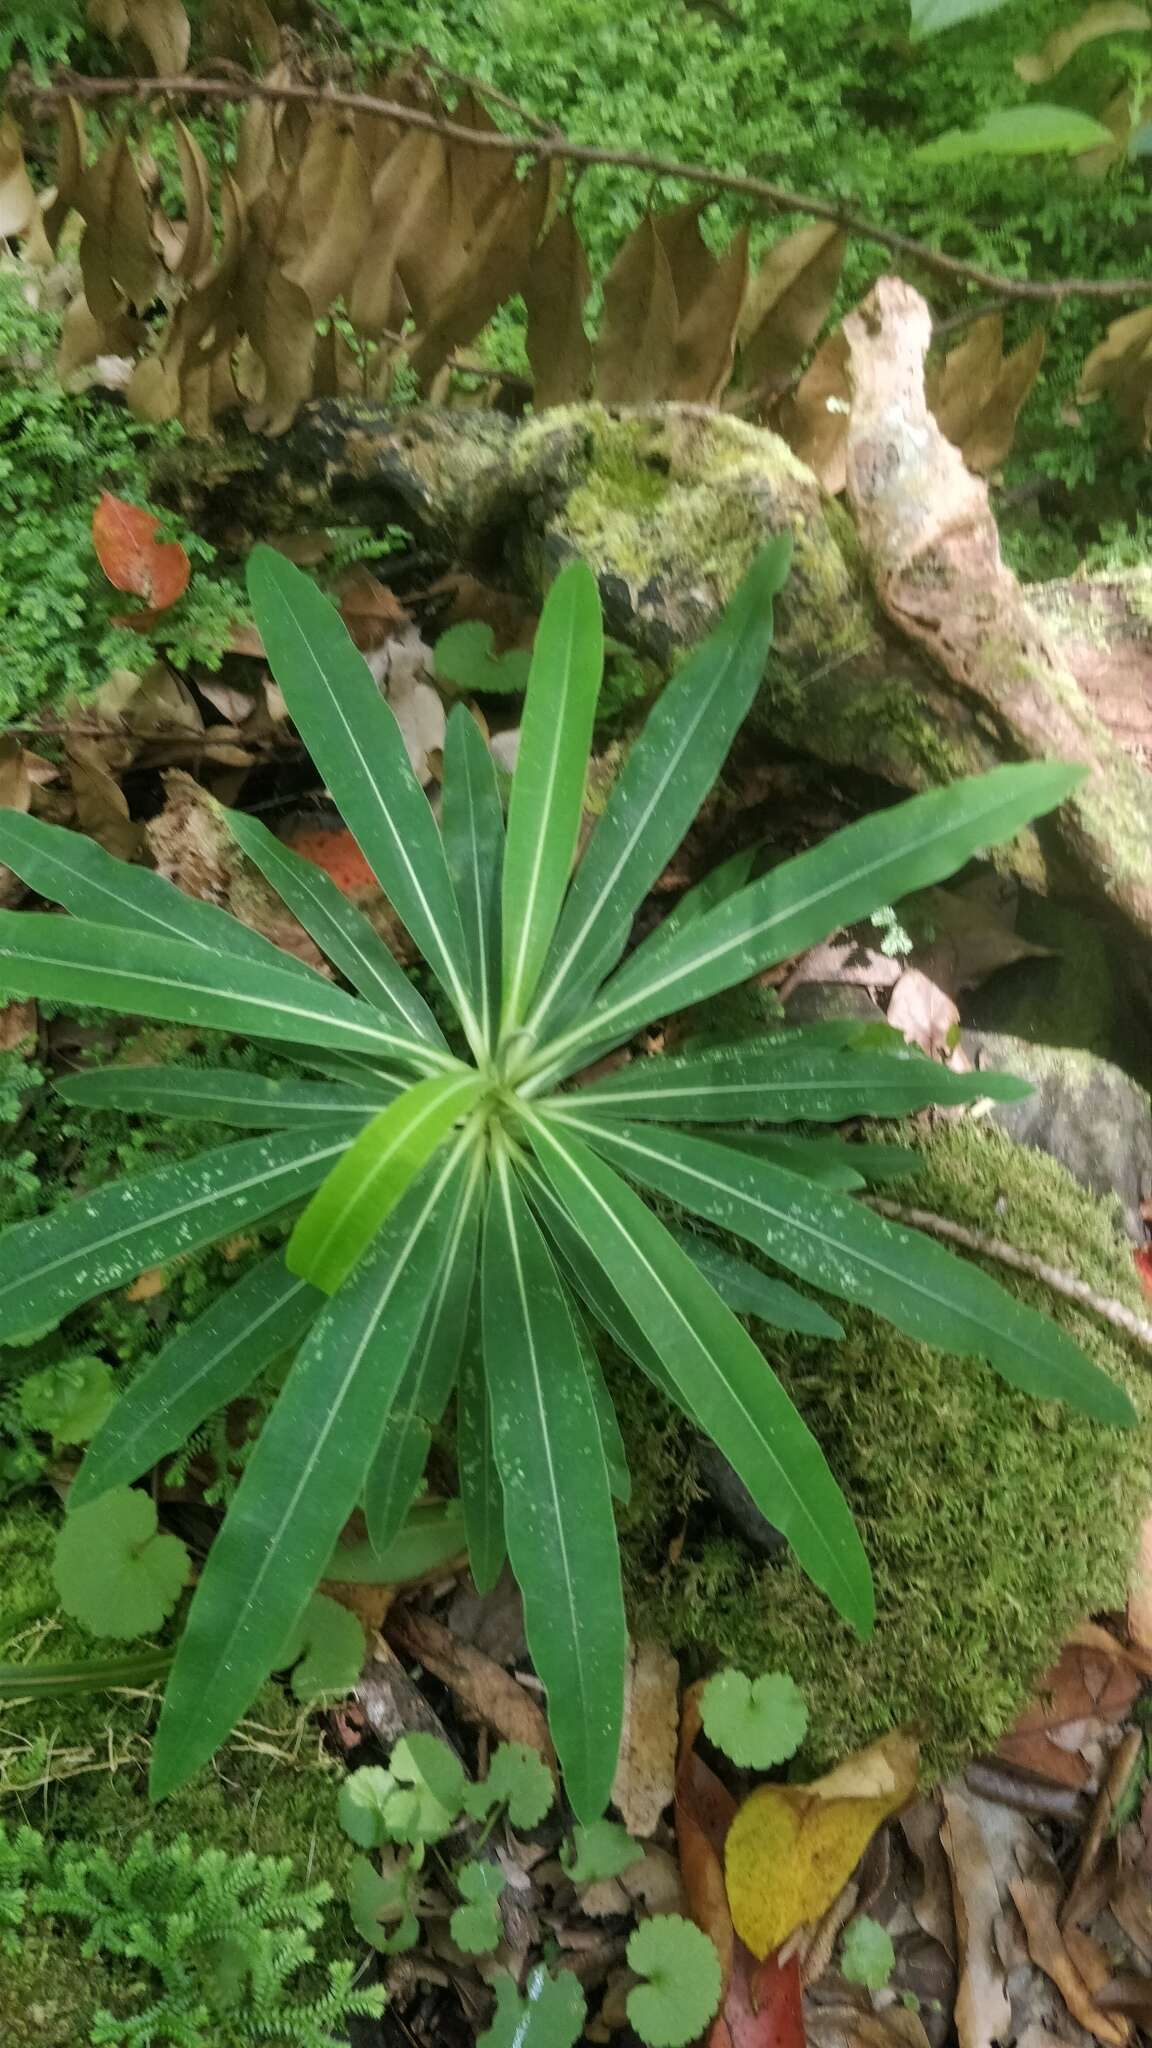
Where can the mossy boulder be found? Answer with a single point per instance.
(993, 1522)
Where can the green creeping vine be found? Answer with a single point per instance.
(464, 1214)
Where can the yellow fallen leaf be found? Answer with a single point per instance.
(791, 1848)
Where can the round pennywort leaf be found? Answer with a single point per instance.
(683, 1987)
(114, 1572)
(758, 1722)
(867, 1955)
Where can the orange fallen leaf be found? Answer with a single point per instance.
(131, 556)
(790, 1848)
(1036, 1906)
(336, 851)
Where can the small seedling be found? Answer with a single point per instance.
(867, 1955)
(113, 1571)
(683, 1981)
(475, 1926)
(69, 1401)
(601, 1850)
(550, 2014)
(466, 657)
(381, 1904)
(758, 1722)
(327, 1649)
(519, 1780)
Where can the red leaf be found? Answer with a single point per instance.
(132, 558)
(335, 850)
(1142, 1258)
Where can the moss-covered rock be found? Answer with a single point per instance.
(993, 1522)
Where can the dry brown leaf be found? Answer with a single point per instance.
(555, 294)
(336, 209)
(977, 391)
(118, 256)
(690, 260)
(788, 301)
(409, 190)
(932, 1903)
(15, 776)
(368, 608)
(495, 265)
(645, 1780)
(706, 336)
(18, 205)
(161, 26)
(969, 933)
(983, 2010)
(636, 347)
(1121, 117)
(101, 806)
(1108, 19)
(1077, 1703)
(18, 1026)
(1121, 367)
(1036, 1904)
(924, 1014)
(419, 712)
(196, 252)
(485, 1691)
(1140, 1590)
(813, 418)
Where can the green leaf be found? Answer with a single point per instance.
(71, 869)
(432, 1536)
(346, 1213)
(665, 778)
(603, 1850)
(359, 752)
(550, 2014)
(873, 1163)
(867, 1955)
(465, 655)
(749, 1292)
(1034, 130)
(719, 1374)
(713, 888)
(430, 1789)
(476, 1926)
(302, 1480)
(776, 1085)
(398, 1466)
(481, 1494)
(559, 1523)
(69, 1401)
(224, 1096)
(378, 1902)
(548, 786)
(472, 822)
(757, 1722)
(341, 931)
(611, 1441)
(838, 1245)
(104, 1240)
(871, 863)
(62, 960)
(112, 1570)
(362, 1803)
(519, 1780)
(211, 1362)
(38, 1681)
(683, 1984)
(326, 1649)
(930, 16)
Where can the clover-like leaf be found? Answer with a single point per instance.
(327, 1648)
(600, 1850)
(68, 1401)
(867, 1955)
(550, 2014)
(758, 1722)
(361, 1805)
(519, 1779)
(475, 1926)
(682, 1990)
(113, 1571)
(380, 1903)
(430, 1789)
(464, 656)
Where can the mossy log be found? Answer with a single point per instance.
(906, 650)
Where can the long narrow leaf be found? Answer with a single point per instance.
(548, 786)
(749, 1292)
(358, 748)
(838, 1245)
(341, 931)
(560, 1528)
(775, 1084)
(64, 960)
(343, 1217)
(611, 1441)
(71, 869)
(481, 1494)
(857, 871)
(666, 776)
(871, 1163)
(211, 1362)
(398, 1466)
(472, 822)
(104, 1240)
(222, 1095)
(302, 1480)
(43, 1681)
(720, 1374)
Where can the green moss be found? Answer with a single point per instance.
(993, 1522)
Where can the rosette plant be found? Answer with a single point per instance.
(467, 1198)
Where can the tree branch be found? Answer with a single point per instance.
(554, 147)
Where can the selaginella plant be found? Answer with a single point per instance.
(463, 1211)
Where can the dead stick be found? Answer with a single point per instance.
(1067, 1284)
(22, 87)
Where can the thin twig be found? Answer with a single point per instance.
(1066, 1284)
(555, 147)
